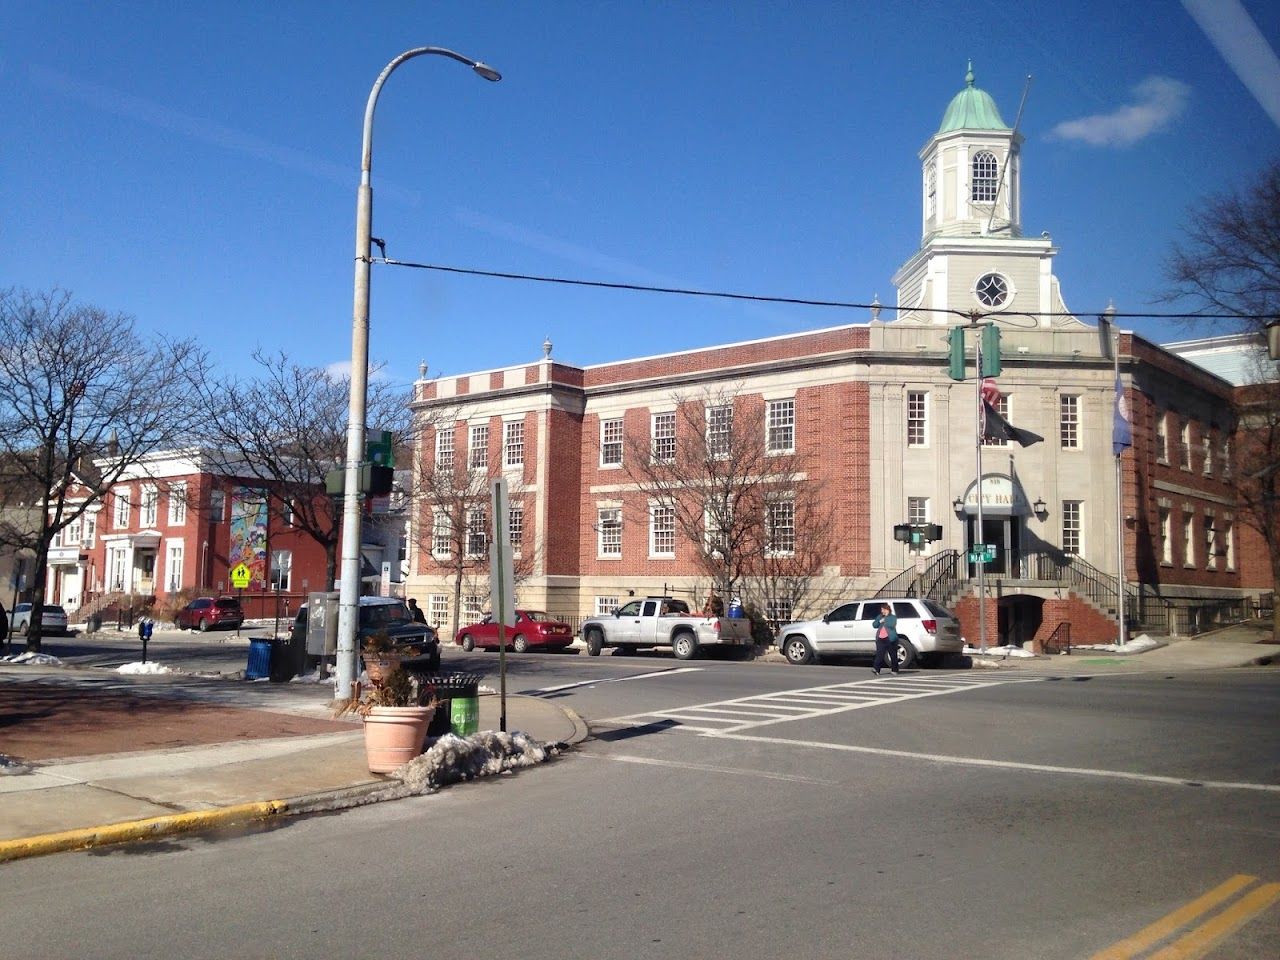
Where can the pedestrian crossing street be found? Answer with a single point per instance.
(806, 703)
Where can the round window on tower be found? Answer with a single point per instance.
(992, 290)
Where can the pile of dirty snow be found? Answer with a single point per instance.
(149, 666)
(1135, 645)
(452, 759)
(11, 767)
(1008, 650)
(35, 659)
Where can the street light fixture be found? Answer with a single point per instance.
(349, 592)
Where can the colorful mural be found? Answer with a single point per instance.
(249, 533)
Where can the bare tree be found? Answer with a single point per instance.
(1229, 261)
(286, 428)
(755, 522)
(81, 404)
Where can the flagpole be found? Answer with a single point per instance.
(1119, 454)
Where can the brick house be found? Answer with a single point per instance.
(873, 421)
(174, 525)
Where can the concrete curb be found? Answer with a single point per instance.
(147, 829)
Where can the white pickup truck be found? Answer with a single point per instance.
(663, 622)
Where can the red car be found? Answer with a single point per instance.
(206, 612)
(533, 629)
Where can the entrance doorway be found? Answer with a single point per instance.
(1005, 533)
(1018, 619)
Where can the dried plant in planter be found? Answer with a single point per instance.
(399, 689)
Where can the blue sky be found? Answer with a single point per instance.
(195, 165)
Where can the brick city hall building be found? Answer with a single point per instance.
(849, 431)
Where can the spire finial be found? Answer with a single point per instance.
(422, 370)
(968, 76)
(546, 348)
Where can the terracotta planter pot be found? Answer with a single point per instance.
(394, 735)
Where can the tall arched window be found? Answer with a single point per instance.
(984, 181)
(931, 192)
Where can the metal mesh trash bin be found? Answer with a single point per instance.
(458, 693)
(259, 658)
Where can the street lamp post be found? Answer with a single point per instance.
(349, 593)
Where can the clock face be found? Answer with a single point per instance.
(992, 290)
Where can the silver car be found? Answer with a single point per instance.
(53, 621)
(927, 631)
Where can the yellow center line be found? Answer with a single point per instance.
(1210, 933)
(1129, 947)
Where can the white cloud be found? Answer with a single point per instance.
(1157, 102)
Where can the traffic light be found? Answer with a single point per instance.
(902, 532)
(991, 351)
(933, 531)
(378, 448)
(955, 362)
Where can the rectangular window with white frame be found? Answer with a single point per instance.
(150, 509)
(472, 608)
(69, 535)
(281, 569)
(917, 418)
(1188, 540)
(609, 532)
(778, 610)
(478, 446)
(477, 532)
(1229, 543)
(1166, 536)
(217, 505)
(780, 527)
(780, 426)
(173, 566)
(1210, 544)
(1162, 437)
(717, 517)
(1226, 458)
(444, 450)
(662, 531)
(177, 503)
(1184, 445)
(515, 528)
(605, 606)
(438, 609)
(1206, 442)
(120, 516)
(611, 442)
(720, 431)
(664, 437)
(917, 510)
(513, 443)
(1073, 527)
(1069, 421)
(88, 535)
(441, 534)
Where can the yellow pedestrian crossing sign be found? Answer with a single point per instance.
(240, 576)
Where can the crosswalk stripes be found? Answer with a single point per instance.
(806, 703)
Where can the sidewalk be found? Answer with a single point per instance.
(90, 766)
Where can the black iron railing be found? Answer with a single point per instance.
(1060, 640)
(938, 581)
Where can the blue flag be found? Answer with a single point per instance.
(1121, 428)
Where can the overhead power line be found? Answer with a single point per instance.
(797, 301)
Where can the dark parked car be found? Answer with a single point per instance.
(204, 613)
(384, 613)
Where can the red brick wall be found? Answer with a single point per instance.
(563, 498)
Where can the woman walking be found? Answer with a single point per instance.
(886, 628)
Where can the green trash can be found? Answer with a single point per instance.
(464, 715)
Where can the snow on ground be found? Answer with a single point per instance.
(41, 659)
(452, 759)
(1006, 651)
(149, 666)
(1135, 645)
(11, 767)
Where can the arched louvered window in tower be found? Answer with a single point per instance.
(985, 173)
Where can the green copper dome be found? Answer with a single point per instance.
(972, 109)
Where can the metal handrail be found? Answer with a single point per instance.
(935, 582)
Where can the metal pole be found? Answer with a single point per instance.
(979, 534)
(1120, 604)
(349, 589)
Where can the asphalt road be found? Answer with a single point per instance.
(754, 810)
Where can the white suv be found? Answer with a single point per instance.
(927, 631)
